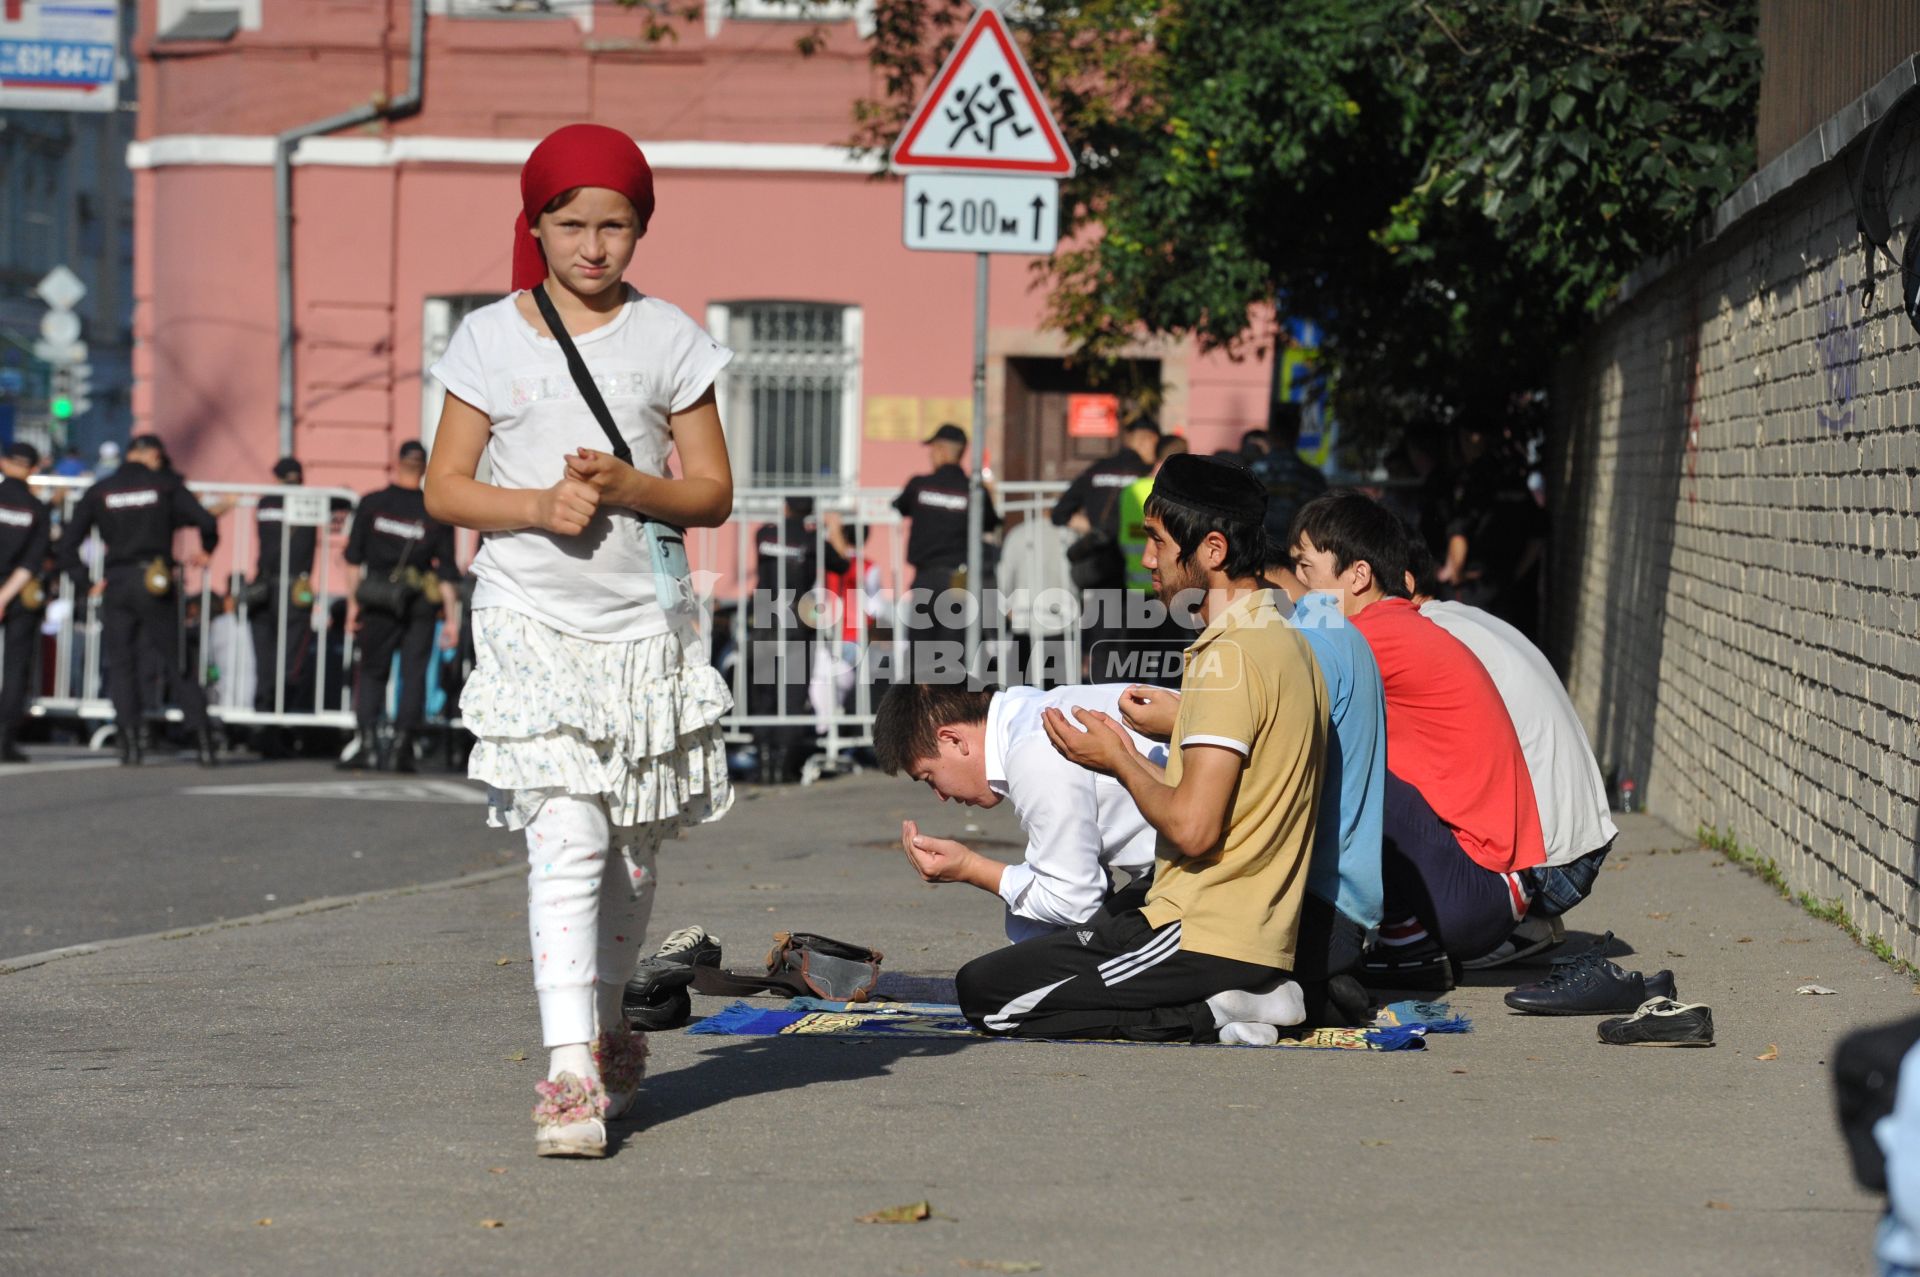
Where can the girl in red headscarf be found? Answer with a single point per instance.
(594, 708)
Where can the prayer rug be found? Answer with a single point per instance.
(1400, 1026)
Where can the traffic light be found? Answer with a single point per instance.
(60, 395)
(70, 392)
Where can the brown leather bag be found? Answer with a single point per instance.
(801, 964)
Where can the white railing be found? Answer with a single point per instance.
(820, 661)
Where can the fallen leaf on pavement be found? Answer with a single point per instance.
(912, 1213)
(1815, 989)
(1375, 1143)
(493, 1223)
(496, 1170)
(517, 1056)
(1744, 940)
(1459, 1070)
(1718, 1206)
(1001, 1265)
(1771, 1053)
(1548, 1139)
(503, 962)
(1661, 917)
(264, 1223)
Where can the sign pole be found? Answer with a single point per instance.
(976, 485)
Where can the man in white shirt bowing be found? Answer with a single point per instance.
(978, 747)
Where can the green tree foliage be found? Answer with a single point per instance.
(1450, 187)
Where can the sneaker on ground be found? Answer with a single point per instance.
(1595, 987)
(1661, 1022)
(1529, 938)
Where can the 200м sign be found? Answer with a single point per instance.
(972, 213)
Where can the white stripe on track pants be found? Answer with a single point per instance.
(1112, 976)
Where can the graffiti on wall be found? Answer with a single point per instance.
(1840, 317)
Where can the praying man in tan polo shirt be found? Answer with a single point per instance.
(1203, 953)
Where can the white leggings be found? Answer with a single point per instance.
(586, 931)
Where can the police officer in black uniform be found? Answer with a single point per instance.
(1091, 503)
(283, 591)
(936, 503)
(23, 552)
(393, 540)
(137, 509)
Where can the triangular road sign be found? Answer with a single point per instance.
(983, 113)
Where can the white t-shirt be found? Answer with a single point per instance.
(1079, 823)
(649, 361)
(1567, 787)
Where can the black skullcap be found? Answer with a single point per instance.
(21, 450)
(413, 450)
(153, 442)
(288, 468)
(1142, 423)
(1211, 485)
(948, 433)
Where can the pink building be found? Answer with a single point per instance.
(850, 347)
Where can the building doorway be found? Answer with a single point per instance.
(1061, 418)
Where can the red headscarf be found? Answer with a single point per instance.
(577, 155)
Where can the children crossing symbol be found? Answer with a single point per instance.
(983, 113)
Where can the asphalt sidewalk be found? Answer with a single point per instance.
(349, 1091)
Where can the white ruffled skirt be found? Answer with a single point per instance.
(634, 722)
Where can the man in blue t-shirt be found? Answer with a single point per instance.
(1344, 872)
(1345, 869)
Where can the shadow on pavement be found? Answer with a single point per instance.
(759, 1066)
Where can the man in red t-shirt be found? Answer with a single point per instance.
(1460, 819)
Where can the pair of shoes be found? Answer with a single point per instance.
(1530, 937)
(570, 1119)
(657, 996)
(621, 1057)
(10, 752)
(1661, 1022)
(1591, 986)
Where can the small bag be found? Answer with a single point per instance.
(666, 543)
(1095, 562)
(158, 578)
(32, 596)
(396, 593)
(301, 593)
(804, 965)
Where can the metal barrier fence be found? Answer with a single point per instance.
(310, 649)
(806, 657)
(823, 644)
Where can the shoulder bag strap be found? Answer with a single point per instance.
(581, 378)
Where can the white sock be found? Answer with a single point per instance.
(1249, 1033)
(575, 1058)
(1284, 1004)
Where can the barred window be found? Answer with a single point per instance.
(790, 400)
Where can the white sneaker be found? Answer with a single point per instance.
(1249, 1033)
(1530, 937)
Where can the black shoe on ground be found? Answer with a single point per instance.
(204, 751)
(690, 947)
(10, 752)
(1595, 987)
(1426, 975)
(1661, 1022)
(1349, 1005)
(403, 760)
(130, 753)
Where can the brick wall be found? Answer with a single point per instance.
(1737, 557)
